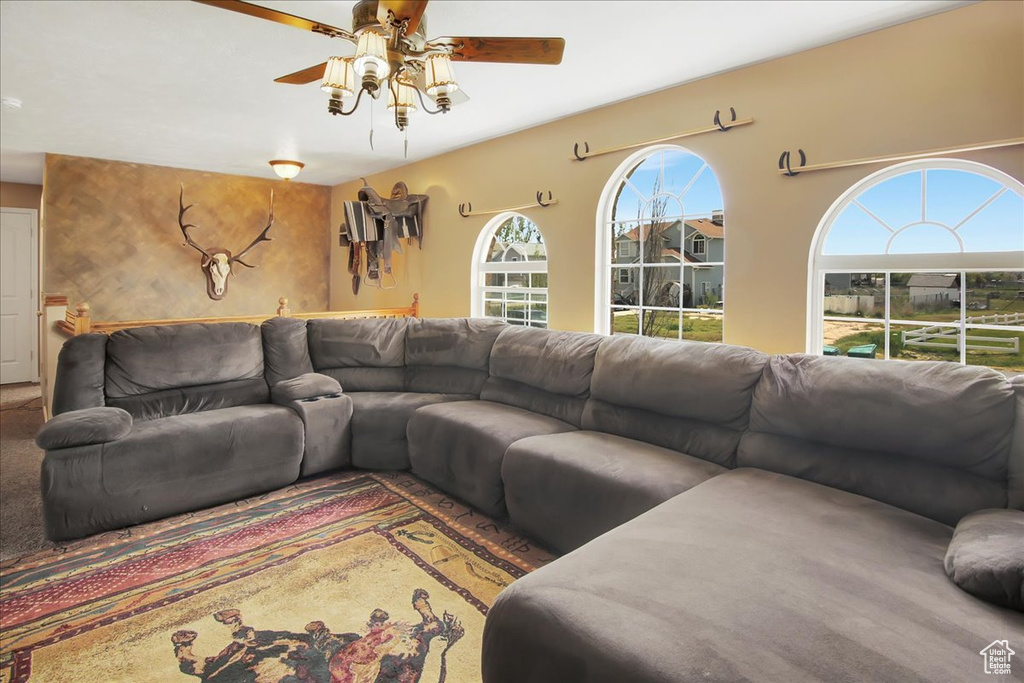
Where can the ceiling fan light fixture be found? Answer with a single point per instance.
(286, 168)
(339, 77)
(371, 61)
(440, 77)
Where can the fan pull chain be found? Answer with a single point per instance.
(371, 125)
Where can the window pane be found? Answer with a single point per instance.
(996, 298)
(704, 196)
(952, 195)
(539, 313)
(1000, 349)
(518, 280)
(625, 321)
(661, 205)
(924, 341)
(896, 201)
(625, 242)
(661, 241)
(932, 297)
(625, 286)
(538, 297)
(866, 339)
(855, 232)
(515, 311)
(664, 324)
(997, 227)
(661, 286)
(855, 295)
(706, 285)
(493, 310)
(702, 326)
(515, 296)
(494, 279)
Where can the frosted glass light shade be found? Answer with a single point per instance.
(401, 94)
(285, 168)
(339, 77)
(372, 55)
(440, 77)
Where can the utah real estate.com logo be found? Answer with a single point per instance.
(997, 657)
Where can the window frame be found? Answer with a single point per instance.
(481, 267)
(605, 247)
(819, 264)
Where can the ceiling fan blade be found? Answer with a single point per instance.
(402, 9)
(509, 50)
(280, 17)
(307, 75)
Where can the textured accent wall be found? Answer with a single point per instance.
(112, 239)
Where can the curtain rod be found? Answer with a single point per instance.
(466, 210)
(786, 170)
(717, 126)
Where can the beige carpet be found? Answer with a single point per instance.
(21, 510)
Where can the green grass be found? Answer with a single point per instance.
(897, 350)
(666, 325)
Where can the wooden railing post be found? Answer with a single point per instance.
(82, 319)
(283, 308)
(416, 305)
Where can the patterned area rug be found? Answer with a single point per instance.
(353, 578)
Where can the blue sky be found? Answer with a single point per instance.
(949, 198)
(703, 197)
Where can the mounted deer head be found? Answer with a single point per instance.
(217, 261)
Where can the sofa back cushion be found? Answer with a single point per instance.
(362, 354)
(692, 397)
(79, 381)
(285, 349)
(928, 436)
(449, 355)
(166, 370)
(1016, 463)
(543, 371)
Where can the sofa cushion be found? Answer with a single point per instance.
(79, 382)
(1016, 463)
(449, 355)
(167, 466)
(931, 437)
(567, 489)
(285, 349)
(459, 447)
(986, 556)
(749, 576)
(149, 359)
(362, 354)
(379, 420)
(183, 400)
(309, 385)
(84, 427)
(556, 362)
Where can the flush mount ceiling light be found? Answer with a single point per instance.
(393, 56)
(286, 169)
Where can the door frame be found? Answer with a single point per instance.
(34, 276)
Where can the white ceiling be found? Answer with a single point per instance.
(188, 85)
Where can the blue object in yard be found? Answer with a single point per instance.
(827, 350)
(863, 351)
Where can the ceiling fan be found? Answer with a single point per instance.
(393, 53)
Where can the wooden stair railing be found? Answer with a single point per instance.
(80, 320)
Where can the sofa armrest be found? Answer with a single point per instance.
(986, 556)
(309, 385)
(84, 427)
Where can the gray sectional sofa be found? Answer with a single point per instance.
(725, 514)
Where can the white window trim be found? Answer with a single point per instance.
(703, 244)
(603, 247)
(480, 266)
(819, 264)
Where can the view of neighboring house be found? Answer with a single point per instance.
(517, 251)
(841, 282)
(928, 289)
(693, 242)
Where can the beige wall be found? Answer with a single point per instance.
(112, 239)
(20, 195)
(946, 80)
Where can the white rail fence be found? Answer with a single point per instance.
(949, 338)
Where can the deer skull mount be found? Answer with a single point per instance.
(217, 261)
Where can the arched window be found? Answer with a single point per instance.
(661, 248)
(922, 261)
(510, 272)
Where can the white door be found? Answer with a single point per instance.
(18, 320)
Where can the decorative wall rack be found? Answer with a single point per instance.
(717, 126)
(466, 210)
(786, 169)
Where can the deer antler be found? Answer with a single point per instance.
(262, 237)
(185, 226)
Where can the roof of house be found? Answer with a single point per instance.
(707, 228)
(937, 281)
